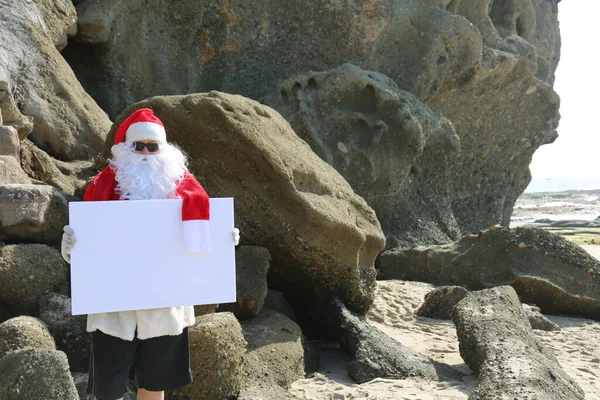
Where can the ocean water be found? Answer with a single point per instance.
(562, 184)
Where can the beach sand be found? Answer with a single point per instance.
(576, 346)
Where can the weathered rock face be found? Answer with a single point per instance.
(217, 347)
(495, 59)
(68, 330)
(30, 213)
(34, 374)
(497, 343)
(247, 47)
(69, 177)
(544, 268)
(9, 141)
(66, 121)
(11, 172)
(322, 237)
(60, 20)
(376, 355)
(27, 272)
(23, 333)
(512, 108)
(439, 302)
(378, 137)
(251, 267)
(274, 356)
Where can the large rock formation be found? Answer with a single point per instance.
(322, 237)
(497, 343)
(487, 66)
(544, 268)
(43, 98)
(389, 146)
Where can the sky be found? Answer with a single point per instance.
(576, 152)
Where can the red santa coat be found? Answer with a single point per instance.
(163, 321)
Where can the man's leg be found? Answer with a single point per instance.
(112, 359)
(144, 394)
(163, 363)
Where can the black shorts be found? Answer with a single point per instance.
(159, 363)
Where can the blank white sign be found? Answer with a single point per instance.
(130, 255)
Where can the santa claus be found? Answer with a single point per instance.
(153, 342)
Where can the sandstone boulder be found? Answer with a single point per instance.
(322, 237)
(27, 272)
(32, 213)
(497, 343)
(391, 148)
(35, 374)
(66, 121)
(275, 355)
(251, 267)
(24, 332)
(217, 348)
(544, 268)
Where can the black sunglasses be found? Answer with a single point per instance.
(152, 146)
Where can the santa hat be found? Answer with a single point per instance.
(141, 125)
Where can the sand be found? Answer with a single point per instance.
(576, 346)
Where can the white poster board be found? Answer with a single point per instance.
(129, 255)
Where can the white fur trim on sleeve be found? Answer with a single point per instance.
(196, 236)
(145, 131)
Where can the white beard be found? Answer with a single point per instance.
(147, 176)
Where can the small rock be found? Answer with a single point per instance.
(32, 213)
(538, 321)
(9, 141)
(11, 173)
(252, 265)
(439, 302)
(274, 344)
(217, 348)
(36, 374)
(22, 333)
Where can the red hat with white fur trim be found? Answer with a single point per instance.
(141, 125)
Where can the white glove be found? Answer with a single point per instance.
(236, 236)
(67, 244)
